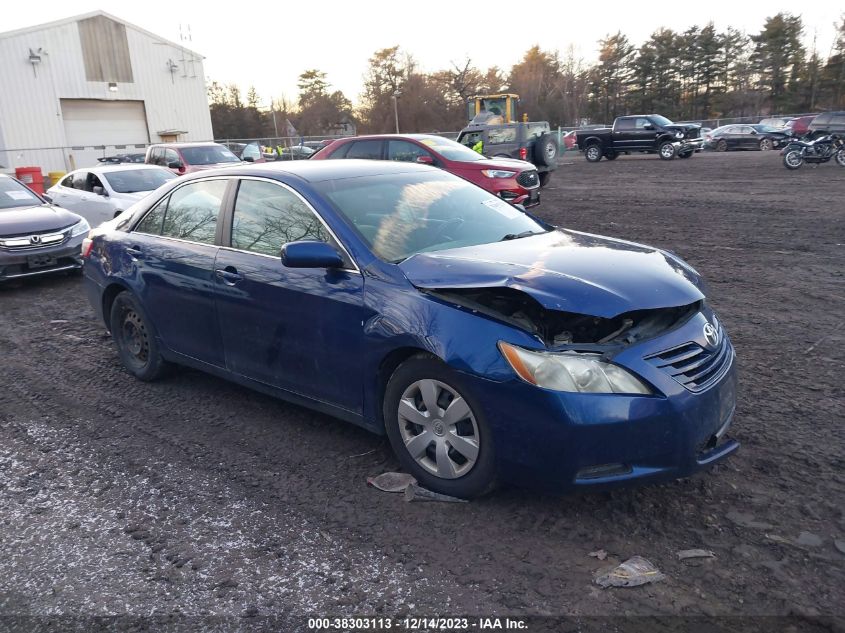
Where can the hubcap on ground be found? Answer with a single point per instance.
(438, 428)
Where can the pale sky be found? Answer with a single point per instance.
(269, 43)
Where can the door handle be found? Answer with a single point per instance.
(228, 275)
(84, 197)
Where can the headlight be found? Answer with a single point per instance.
(569, 371)
(679, 135)
(497, 173)
(79, 228)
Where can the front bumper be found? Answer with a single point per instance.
(565, 441)
(32, 262)
(694, 144)
(526, 197)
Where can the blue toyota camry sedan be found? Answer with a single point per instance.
(487, 345)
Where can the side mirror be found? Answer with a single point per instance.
(248, 159)
(100, 191)
(310, 254)
(648, 126)
(47, 198)
(425, 160)
(753, 131)
(175, 164)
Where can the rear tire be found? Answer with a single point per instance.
(593, 154)
(839, 157)
(666, 151)
(135, 338)
(793, 159)
(452, 455)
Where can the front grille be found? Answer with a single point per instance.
(695, 367)
(35, 240)
(528, 179)
(693, 133)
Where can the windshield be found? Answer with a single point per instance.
(660, 120)
(134, 180)
(13, 194)
(451, 150)
(767, 128)
(400, 215)
(208, 155)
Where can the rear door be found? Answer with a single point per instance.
(66, 195)
(173, 249)
(299, 329)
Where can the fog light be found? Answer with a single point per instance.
(508, 195)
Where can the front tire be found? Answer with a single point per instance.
(545, 177)
(135, 338)
(666, 151)
(686, 154)
(611, 155)
(839, 157)
(722, 146)
(765, 144)
(793, 159)
(593, 154)
(438, 430)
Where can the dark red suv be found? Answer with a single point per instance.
(513, 180)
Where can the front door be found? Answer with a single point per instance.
(299, 329)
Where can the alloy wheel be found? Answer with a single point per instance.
(765, 144)
(438, 429)
(593, 153)
(667, 150)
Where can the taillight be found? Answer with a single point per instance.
(87, 245)
(523, 153)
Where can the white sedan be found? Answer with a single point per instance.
(104, 192)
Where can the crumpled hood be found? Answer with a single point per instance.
(35, 219)
(565, 270)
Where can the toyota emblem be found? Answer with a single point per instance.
(34, 239)
(711, 334)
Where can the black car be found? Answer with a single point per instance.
(123, 158)
(827, 123)
(757, 136)
(36, 237)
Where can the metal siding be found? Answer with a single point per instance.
(30, 112)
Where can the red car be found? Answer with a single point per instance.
(515, 181)
(800, 126)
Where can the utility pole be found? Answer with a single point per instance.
(395, 97)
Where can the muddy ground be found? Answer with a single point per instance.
(194, 497)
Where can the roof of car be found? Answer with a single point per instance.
(321, 170)
(418, 137)
(108, 168)
(195, 144)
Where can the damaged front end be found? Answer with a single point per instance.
(559, 329)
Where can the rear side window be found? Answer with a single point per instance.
(405, 151)
(151, 224)
(822, 119)
(268, 216)
(365, 149)
(625, 124)
(189, 213)
(67, 182)
(341, 151)
(80, 179)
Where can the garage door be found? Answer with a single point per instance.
(89, 122)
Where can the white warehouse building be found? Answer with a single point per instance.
(94, 85)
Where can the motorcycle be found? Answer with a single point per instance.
(821, 150)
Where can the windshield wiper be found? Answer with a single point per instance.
(516, 236)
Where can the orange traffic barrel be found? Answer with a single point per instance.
(31, 177)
